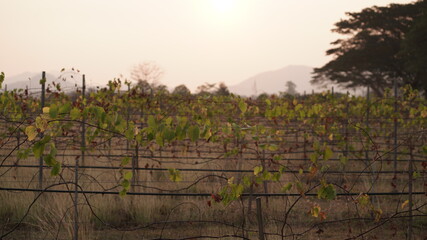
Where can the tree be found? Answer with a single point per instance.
(291, 88)
(414, 52)
(206, 89)
(222, 90)
(370, 55)
(147, 75)
(181, 90)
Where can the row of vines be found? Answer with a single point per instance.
(156, 165)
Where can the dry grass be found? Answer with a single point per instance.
(146, 217)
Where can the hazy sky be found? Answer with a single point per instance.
(193, 41)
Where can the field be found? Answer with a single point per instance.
(118, 164)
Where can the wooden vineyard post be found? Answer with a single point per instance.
(410, 188)
(43, 81)
(260, 220)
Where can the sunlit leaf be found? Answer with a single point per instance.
(404, 204)
(257, 170)
(243, 106)
(46, 110)
(127, 175)
(75, 114)
(31, 132)
(174, 175)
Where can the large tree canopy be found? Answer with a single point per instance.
(414, 52)
(373, 54)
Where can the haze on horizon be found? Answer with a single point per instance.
(193, 41)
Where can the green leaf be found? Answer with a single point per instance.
(276, 176)
(45, 139)
(416, 175)
(257, 170)
(75, 114)
(238, 190)
(65, 108)
(127, 176)
(152, 122)
(38, 149)
(39, 146)
(363, 199)
(174, 175)
(326, 191)
(159, 140)
(300, 187)
(1, 79)
(287, 187)
(168, 134)
(49, 160)
(168, 121)
(24, 153)
(122, 193)
(266, 176)
(53, 149)
(314, 157)
(243, 106)
(129, 134)
(247, 181)
(125, 161)
(53, 111)
(327, 154)
(194, 133)
(125, 184)
(273, 147)
(56, 169)
(343, 159)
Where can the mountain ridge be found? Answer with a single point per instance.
(31, 80)
(273, 82)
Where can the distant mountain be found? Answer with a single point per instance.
(273, 82)
(32, 81)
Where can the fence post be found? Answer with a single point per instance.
(76, 167)
(410, 187)
(127, 120)
(265, 183)
(346, 134)
(42, 81)
(395, 129)
(83, 120)
(367, 149)
(260, 220)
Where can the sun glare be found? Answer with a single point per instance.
(223, 12)
(223, 6)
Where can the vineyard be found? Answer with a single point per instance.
(127, 164)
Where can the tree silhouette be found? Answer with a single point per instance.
(147, 75)
(291, 88)
(181, 90)
(370, 55)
